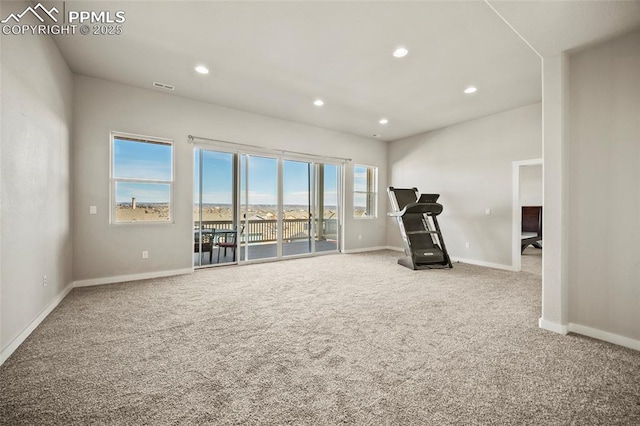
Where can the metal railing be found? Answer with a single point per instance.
(267, 230)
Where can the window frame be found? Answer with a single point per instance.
(371, 194)
(113, 181)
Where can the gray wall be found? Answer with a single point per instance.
(531, 185)
(604, 187)
(35, 165)
(102, 250)
(470, 165)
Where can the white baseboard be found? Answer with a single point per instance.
(362, 250)
(400, 249)
(616, 339)
(6, 353)
(132, 277)
(552, 326)
(483, 263)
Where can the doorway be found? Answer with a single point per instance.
(527, 202)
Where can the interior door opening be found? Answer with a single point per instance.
(527, 200)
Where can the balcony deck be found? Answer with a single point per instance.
(262, 236)
(262, 251)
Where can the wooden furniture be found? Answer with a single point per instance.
(531, 227)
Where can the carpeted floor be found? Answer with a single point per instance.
(330, 340)
(531, 261)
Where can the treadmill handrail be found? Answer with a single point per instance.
(431, 209)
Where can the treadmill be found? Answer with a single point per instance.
(416, 215)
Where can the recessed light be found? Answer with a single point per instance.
(383, 121)
(202, 69)
(470, 90)
(318, 102)
(400, 52)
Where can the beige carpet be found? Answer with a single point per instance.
(340, 339)
(531, 261)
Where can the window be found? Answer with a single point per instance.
(141, 179)
(365, 191)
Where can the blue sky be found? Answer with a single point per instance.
(135, 160)
(360, 184)
(217, 180)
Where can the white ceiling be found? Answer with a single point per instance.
(275, 58)
(552, 27)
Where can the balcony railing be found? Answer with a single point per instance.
(267, 230)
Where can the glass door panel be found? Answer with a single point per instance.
(251, 207)
(197, 210)
(327, 205)
(297, 229)
(259, 207)
(214, 208)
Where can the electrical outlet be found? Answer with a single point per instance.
(487, 211)
(359, 236)
(93, 209)
(44, 280)
(467, 244)
(145, 254)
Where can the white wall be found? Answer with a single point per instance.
(531, 185)
(102, 250)
(35, 164)
(469, 164)
(604, 179)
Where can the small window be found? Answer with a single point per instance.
(141, 179)
(365, 191)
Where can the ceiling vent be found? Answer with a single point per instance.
(163, 86)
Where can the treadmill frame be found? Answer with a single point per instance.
(431, 226)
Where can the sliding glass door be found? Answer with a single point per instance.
(259, 206)
(327, 195)
(253, 207)
(214, 211)
(297, 225)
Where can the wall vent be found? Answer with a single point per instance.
(163, 86)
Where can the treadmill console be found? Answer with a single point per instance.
(428, 198)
